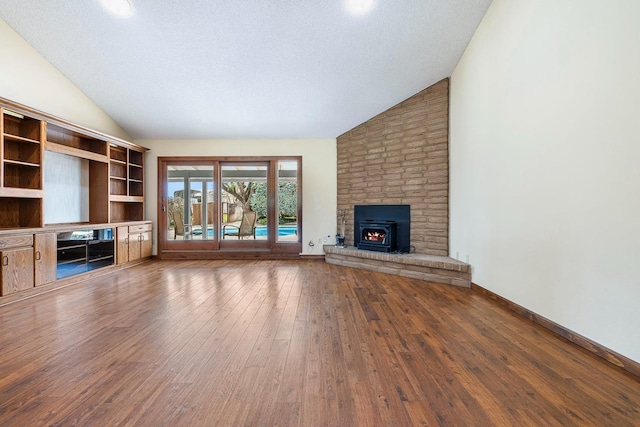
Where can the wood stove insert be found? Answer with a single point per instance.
(382, 228)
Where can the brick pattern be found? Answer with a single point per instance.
(401, 156)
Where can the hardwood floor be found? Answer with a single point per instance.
(292, 343)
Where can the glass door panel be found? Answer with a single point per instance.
(288, 225)
(189, 204)
(244, 202)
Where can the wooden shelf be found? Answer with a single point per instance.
(117, 187)
(118, 170)
(22, 175)
(21, 212)
(76, 152)
(127, 199)
(21, 193)
(123, 211)
(19, 163)
(22, 151)
(20, 127)
(135, 158)
(8, 136)
(72, 139)
(118, 154)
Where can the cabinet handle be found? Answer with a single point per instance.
(126, 240)
(5, 261)
(38, 255)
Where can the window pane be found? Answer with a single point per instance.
(288, 201)
(189, 190)
(244, 202)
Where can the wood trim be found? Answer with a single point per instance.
(67, 227)
(319, 257)
(43, 139)
(75, 152)
(126, 199)
(206, 249)
(21, 193)
(599, 350)
(272, 201)
(226, 254)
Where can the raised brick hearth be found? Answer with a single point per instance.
(431, 268)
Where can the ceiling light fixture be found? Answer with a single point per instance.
(121, 8)
(359, 7)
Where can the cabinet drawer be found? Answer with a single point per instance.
(16, 241)
(140, 227)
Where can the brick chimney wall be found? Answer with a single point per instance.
(401, 156)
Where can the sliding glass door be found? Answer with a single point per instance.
(214, 206)
(244, 188)
(188, 204)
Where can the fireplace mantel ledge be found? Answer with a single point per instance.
(432, 268)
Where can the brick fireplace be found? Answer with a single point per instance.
(399, 157)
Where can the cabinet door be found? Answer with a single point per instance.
(123, 245)
(145, 244)
(17, 270)
(45, 258)
(135, 246)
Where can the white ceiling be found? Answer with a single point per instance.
(247, 68)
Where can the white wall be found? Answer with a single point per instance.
(26, 77)
(66, 179)
(545, 153)
(319, 176)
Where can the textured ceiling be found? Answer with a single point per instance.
(247, 68)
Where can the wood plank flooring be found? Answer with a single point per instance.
(292, 343)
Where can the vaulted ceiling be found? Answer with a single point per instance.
(199, 69)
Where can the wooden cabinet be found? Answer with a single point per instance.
(20, 170)
(139, 246)
(44, 249)
(134, 242)
(139, 242)
(16, 255)
(102, 173)
(122, 252)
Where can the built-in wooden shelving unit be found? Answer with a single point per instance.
(116, 168)
(33, 259)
